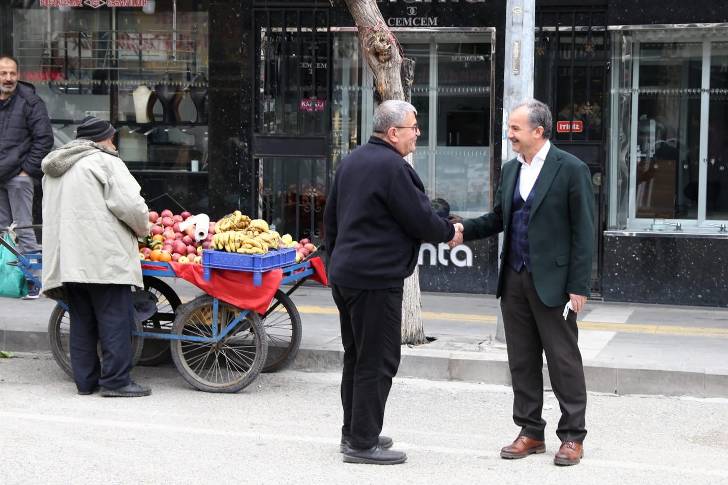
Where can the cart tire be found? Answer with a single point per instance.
(59, 330)
(283, 331)
(157, 351)
(228, 365)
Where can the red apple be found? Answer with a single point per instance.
(211, 229)
(155, 229)
(310, 247)
(176, 256)
(177, 218)
(297, 246)
(167, 221)
(146, 252)
(209, 237)
(166, 213)
(185, 215)
(206, 244)
(190, 231)
(180, 247)
(191, 249)
(167, 248)
(168, 241)
(153, 216)
(178, 235)
(175, 227)
(188, 240)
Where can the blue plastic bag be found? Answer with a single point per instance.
(12, 279)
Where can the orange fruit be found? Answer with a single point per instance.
(155, 255)
(165, 256)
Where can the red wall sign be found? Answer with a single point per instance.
(92, 3)
(569, 126)
(312, 104)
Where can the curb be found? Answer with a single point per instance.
(487, 367)
(600, 377)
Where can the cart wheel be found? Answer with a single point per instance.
(59, 331)
(156, 351)
(282, 324)
(225, 366)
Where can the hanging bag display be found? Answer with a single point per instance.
(12, 278)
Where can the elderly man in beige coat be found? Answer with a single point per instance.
(92, 215)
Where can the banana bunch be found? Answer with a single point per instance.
(236, 221)
(246, 243)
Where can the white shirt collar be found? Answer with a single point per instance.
(540, 156)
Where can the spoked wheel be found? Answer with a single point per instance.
(59, 332)
(156, 351)
(282, 324)
(228, 365)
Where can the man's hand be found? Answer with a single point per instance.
(458, 237)
(578, 302)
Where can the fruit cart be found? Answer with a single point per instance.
(244, 323)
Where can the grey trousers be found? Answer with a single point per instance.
(16, 205)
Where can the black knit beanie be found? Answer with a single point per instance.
(95, 129)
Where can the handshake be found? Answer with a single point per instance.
(458, 237)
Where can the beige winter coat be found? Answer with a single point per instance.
(92, 215)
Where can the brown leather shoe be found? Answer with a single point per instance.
(522, 447)
(570, 453)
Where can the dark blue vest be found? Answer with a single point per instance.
(518, 257)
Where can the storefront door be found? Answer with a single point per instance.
(571, 69)
(292, 118)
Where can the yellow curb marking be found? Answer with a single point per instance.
(645, 328)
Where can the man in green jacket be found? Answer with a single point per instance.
(545, 207)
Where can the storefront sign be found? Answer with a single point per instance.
(312, 105)
(460, 256)
(93, 3)
(569, 126)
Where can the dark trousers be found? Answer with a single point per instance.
(100, 313)
(371, 332)
(532, 328)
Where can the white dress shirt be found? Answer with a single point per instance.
(529, 172)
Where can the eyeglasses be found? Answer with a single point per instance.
(415, 127)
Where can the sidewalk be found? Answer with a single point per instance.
(627, 348)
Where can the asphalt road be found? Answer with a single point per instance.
(285, 429)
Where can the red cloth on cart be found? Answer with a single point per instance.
(233, 287)
(319, 271)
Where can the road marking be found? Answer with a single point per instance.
(276, 437)
(605, 326)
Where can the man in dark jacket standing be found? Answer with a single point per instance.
(25, 138)
(376, 216)
(545, 208)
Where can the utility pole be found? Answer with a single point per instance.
(517, 82)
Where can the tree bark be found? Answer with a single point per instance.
(384, 55)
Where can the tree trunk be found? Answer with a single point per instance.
(384, 55)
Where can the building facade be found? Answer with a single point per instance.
(250, 104)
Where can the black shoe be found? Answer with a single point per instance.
(375, 455)
(384, 442)
(130, 390)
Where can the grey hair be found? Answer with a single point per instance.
(539, 114)
(391, 113)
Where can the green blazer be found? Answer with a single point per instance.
(560, 227)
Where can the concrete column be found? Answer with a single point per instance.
(520, 30)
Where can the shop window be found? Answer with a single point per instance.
(145, 70)
(668, 154)
(451, 91)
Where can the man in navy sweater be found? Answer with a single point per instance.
(376, 216)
